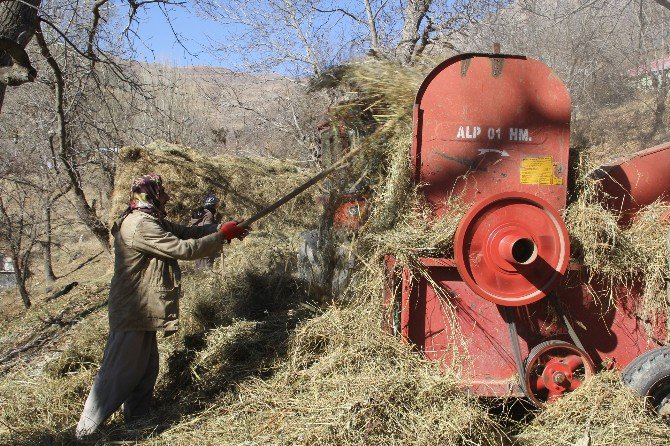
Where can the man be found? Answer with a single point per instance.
(143, 299)
(202, 216)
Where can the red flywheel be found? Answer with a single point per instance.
(512, 248)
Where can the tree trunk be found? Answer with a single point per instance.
(18, 20)
(662, 86)
(66, 155)
(372, 26)
(20, 273)
(415, 11)
(49, 275)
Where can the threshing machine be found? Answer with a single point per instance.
(509, 311)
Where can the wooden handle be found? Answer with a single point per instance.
(309, 183)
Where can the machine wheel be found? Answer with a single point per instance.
(554, 368)
(512, 248)
(649, 375)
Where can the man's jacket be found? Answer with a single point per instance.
(202, 216)
(144, 293)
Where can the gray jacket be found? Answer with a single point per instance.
(145, 290)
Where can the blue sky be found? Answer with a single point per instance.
(183, 40)
(270, 44)
(161, 45)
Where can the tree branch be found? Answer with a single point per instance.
(94, 29)
(88, 215)
(344, 12)
(67, 39)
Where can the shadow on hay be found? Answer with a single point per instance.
(243, 327)
(245, 331)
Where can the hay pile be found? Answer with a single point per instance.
(619, 256)
(243, 185)
(343, 382)
(602, 412)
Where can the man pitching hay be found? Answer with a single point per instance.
(143, 299)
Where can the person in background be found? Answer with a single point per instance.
(144, 299)
(202, 216)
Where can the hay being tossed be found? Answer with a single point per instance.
(243, 185)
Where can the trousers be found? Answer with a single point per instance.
(126, 377)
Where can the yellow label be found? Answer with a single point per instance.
(539, 171)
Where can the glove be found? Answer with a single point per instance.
(230, 230)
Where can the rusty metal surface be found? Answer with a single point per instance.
(491, 123)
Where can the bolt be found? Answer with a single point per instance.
(559, 378)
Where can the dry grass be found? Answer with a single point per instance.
(36, 408)
(258, 363)
(343, 383)
(620, 256)
(602, 412)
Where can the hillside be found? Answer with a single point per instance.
(235, 112)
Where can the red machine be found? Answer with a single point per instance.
(508, 312)
(351, 213)
(635, 181)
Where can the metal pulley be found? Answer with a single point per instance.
(554, 368)
(512, 248)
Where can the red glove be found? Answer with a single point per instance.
(230, 230)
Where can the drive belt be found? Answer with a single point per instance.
(553, 300)
(508, 316)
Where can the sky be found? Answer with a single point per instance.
(161, 44)
(183, 39)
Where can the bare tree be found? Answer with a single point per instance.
(18, 21)
(84, 53)
(607, 52)
(656, 44)
(303, 37)
(274, 33)
(19, 229)
(415, 12)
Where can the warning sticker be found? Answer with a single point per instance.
(539, 171)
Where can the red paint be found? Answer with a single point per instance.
(525, 109)
(456, 326)
(554, 369)
(630, 183)
(350, 214)
(511, 248)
